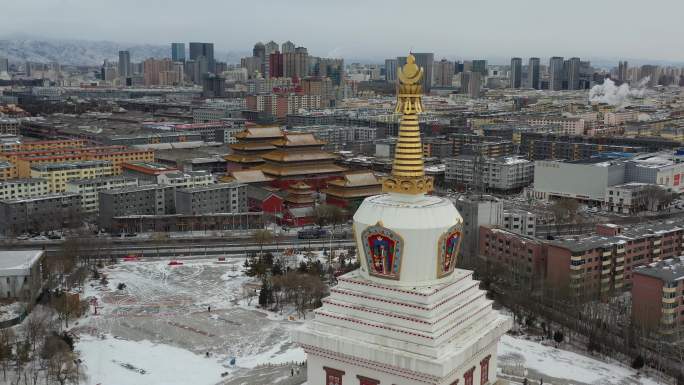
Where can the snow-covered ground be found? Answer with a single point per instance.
(165, 309)
(113, 361)
(160, 323)
(547, 361)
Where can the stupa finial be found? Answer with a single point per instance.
(408, 176)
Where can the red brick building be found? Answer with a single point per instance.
(596, 266)
(658, 295)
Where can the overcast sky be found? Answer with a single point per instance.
(372, 29)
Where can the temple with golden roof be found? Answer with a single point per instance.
(251, 144)
(300, 158)
(352, 189)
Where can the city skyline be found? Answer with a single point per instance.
(497, 31)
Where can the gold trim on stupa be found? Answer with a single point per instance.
(408, 175)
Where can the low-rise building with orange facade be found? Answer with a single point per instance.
(44, 145)
(7, 170)
(117, 155)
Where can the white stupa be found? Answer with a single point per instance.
(407, 316)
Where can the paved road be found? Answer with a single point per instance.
(183, 247)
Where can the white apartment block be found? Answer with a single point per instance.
(188, 179)
(568, 126)
(24, 188)
(89, 189)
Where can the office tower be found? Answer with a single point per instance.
(533, 73)
(556, 73)
(296, 64)
(287, 47)
(424, 60)
(271, 47)
(252, 64)
(259, 51)
(573, 73)
(444, 73)
(124, 64)
(479, 66)
(622, 71)
(470, 83)
(516, 72)
(4, 64)
(586, 75)
(205, 50)
(391, 70)
(178, 51)
(275, 65)
(652, 72)
(330, 68)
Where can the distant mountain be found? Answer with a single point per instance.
(75, 52)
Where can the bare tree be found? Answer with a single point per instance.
(6, 342)
(261, 237)
(37, 324)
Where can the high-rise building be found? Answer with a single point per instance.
(162, 72)
(651, 72)
(516, 72)
(287, 47)
(443, 73)
(259, 51)
(124, 64)
(533, 78)
(275, 65)
(205, 50)
(4, 64)
(479, 66)
(296, 63)
(178, 52)
(622, 71)
(271, 47)
(470, 83)
(573, 73)
(556, 73)
(391, 70)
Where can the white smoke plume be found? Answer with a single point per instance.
(613, 95)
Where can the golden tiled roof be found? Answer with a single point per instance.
(356, 179)
(298, 156)
(252, 146)
(272, 169)
(358, 192)
(260, 133)
(239, 158)
(296, 140)
(250, 176)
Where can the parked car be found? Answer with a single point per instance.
(312, 233)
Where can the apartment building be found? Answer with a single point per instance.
(42, 213)
(24, 188)
(10, 126)
(598, 265)
(658, 295)
(7, 170)
(58, 174)
(146, 172)
(89, 189)
(187, 179)
(148, 199)
(216, 198)
(504, 174)
(567, 126)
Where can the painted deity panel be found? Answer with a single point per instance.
(383, 248)
(449, 245)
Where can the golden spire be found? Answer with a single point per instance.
(408, 176)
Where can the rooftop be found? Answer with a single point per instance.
(18, 262)
(668, 270)
(71, 165)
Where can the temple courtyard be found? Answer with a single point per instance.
(158, 328)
